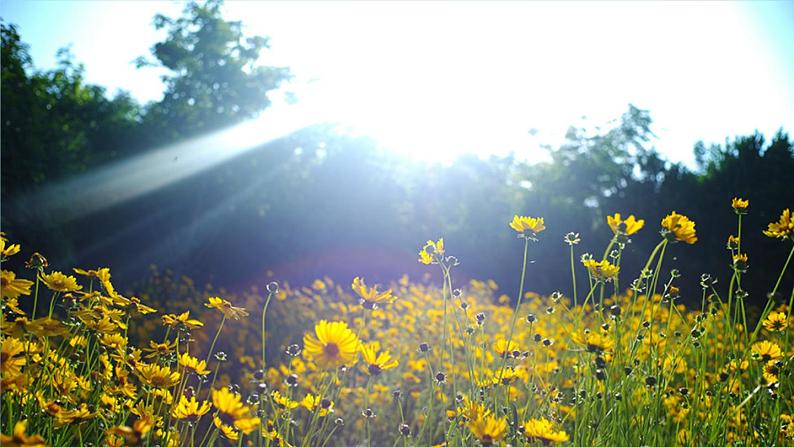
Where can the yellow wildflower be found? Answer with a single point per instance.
(740, 205)
(370, 297)
(766, 351)
(601, 270)
(190, 409)
(232, 414)
(226, 308)
(59, 282)
(377, 361)
(783, 228)
(157, 376)
(11, 287)
(181, 321)
(20, 438)
(488, 429)
(776, 321)
(6, 251)
(283, 401)
(502, 348)
(527, 225)
(193, 365)
(628, 227)
(432, 252)
(543, 430)
(680, 227)
(334, 345)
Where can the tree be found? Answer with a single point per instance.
(215, 77)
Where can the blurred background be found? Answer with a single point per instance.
(242, 142)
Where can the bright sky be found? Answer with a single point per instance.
(436, 79)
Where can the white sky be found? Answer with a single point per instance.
(437, 79)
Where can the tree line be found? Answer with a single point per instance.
(321, 201)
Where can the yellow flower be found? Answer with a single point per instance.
(284, 401)
(766, 351)
(20, 438)
(113, 341)
(680, 227)
(6, 251)
(157, 376)
(334, 345)
(10, 287)
(181, 321)
(771, 372)
(11, 358)
(59, 282)
(740, 205)
(226, 308)
(377, 361)
(193, 365)
(190, 409)
(232, 415)
(783, 228)
(525, 224)
(502, 348)
(601, 270)
(488, 429)
(311, 402)
(543, 430)
(776, 321)
(79, 414)
(370, 297)
(628, 227)
(432, 252)
(594, 341)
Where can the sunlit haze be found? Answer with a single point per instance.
(434, 80)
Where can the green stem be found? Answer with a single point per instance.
(214, 340)
(518, 304)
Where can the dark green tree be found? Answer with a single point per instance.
(215, 76)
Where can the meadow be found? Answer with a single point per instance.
(614, 358)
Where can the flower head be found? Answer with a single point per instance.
(193, 365)
(432, 252)
(783, 228)
(332, 345)
(190, 409)
(7, 250)
(601, 270)
(232, 414)
(543, 430)
(59, 282)
(376, 361)
(181, 321)
(740, 205)
(776, 321)
(628, 226)
(679, 227)
(766, 351)
(11, 287)
(488, 429)
(20, 438)
(370, 296)
(502, 348)
(527, 226)
(157, 376)
(226, 308)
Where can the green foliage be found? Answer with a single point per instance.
(215, 76)
(54, 124)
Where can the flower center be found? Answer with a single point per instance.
(331, 350)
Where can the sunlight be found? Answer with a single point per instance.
(127, 179)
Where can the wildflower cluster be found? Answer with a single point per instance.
(410, 364)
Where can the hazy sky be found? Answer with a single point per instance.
(435, 79)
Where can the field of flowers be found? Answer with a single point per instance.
(605, 363)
